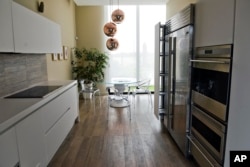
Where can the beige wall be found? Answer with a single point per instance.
(174, 6)
(63, 13)
(89, 27)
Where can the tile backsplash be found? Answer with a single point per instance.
(18, 71)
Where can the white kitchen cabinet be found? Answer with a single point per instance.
(55, 137)
(55, 109)
(34, 33)
(6, 33)
(24, 31)
(214, 22)
(59, 116)
(31, 141)
(40, 134)
(8, 149)
(238, 135)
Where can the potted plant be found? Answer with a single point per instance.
(88, 66)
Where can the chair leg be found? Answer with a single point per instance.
(108, 107)
(150, 98)
(134, 100)
(93, 101)
(129, 108)
(99, 94)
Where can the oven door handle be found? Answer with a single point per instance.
(209, 61)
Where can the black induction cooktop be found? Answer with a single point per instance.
(34, 92)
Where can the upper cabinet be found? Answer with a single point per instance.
(34, 33)
(6, 33)
(26, 31)
(214, 22)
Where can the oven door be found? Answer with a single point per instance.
(210, 85)
(209, 132)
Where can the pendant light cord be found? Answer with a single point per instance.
(111, 9)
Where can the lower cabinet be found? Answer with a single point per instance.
(59, 116)
(57, 134)
(31, 143)
(8, 149)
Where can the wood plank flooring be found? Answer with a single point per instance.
(106, 137)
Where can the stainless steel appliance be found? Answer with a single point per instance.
(210, 97)
(179, 47)
(179, 86)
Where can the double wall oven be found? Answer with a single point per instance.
(211, 75)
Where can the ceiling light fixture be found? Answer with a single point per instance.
(112, 44)
(110, 29)
(117, 15)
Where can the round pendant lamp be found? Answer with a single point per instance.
(117, 16)
(112, 44)
(110, 29)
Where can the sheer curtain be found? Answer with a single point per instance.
(135, 56)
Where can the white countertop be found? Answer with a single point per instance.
(13, 110)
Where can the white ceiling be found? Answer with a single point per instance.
(121, 2)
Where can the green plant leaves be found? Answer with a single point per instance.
(89, 64)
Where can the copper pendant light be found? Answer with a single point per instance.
(112, 44)
(110, 29)
(117, 16)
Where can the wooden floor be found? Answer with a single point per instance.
(106, 137)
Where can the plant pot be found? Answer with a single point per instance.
(88, 86)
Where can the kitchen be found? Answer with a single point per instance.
(236, 140)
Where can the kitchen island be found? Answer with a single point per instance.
(32, 129)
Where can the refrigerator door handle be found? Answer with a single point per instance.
(210, 61)
(174, 64)
(170, 76)
(173, 83)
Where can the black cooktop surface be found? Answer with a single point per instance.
(34, 92)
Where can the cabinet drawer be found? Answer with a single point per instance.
(57, 134)
(54, 110)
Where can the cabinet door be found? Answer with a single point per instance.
(8, 149)
(214, 22)
(54, 40)
(58, 118)
(34, 33)
(56, 135)
(238, 135)
(55, 109)
(31, 142)
(6, 32)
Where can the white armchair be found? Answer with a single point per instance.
(118, 98)
(142, 86)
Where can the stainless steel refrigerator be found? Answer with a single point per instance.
(179, 86)
(179, 51)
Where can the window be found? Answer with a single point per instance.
(135, 56)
